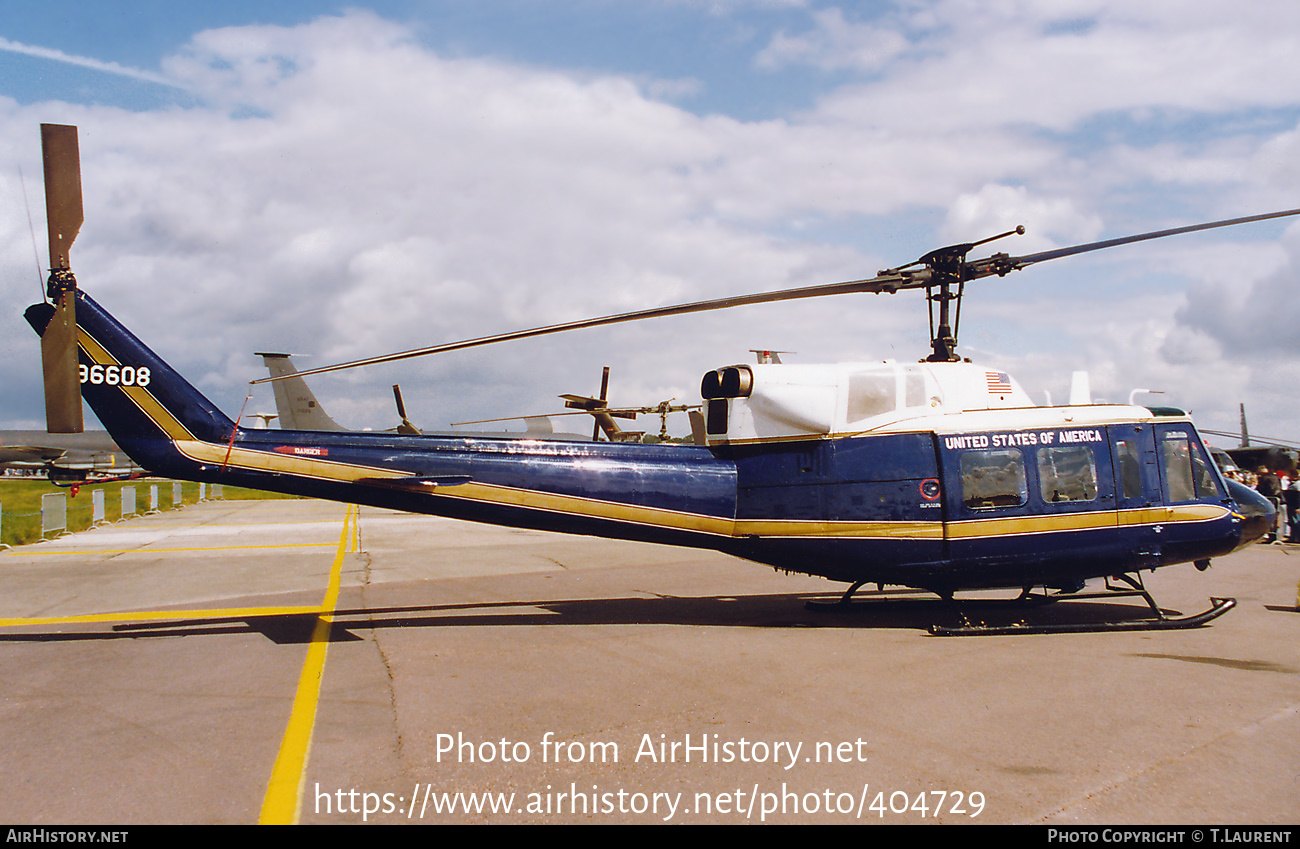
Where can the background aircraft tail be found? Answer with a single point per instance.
(294, 401)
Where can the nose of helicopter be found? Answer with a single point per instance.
(1256, 511)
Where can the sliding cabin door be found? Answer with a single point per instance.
(1031, 507)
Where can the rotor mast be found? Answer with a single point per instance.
(948, 269)
(947, 266)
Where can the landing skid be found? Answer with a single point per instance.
(1119, 586)
(1218, 607)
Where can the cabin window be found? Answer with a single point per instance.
(1187, 475)
(871, 393)
(993, 479)
(1068, 473)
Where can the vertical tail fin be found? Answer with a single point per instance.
(140, 399)
(87, 354)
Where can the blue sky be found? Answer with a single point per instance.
(697, 41)
(341, 181)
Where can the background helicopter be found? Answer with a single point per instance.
(940, 476)
(598, 408)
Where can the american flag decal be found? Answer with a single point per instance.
(999, 382)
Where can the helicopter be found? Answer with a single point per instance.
(940, 475)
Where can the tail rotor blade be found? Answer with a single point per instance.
(64, 216)
(59, 364)
(62, 189)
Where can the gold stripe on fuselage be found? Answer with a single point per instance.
(836, 530)
(270, 461)
(1095, 520)
(577, 505)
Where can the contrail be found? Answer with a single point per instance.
(85, 62)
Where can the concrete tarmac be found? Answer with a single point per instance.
(160, 670)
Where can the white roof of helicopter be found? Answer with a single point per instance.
(852, 399)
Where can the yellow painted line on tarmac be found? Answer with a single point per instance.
(283, 801)
(165, 615)
(162, 615)
(84, 551)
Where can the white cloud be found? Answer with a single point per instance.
(974, 65)
(997, 209)
(344, 191)
(379, 196)
(835, 43)
(1249, 315)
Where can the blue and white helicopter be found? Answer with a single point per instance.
(940, 475)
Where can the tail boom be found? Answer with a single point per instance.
(686, 496)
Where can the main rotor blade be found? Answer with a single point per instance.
(63, 211)
(523, 418)
(885, 283)
(1257, 442)
(616, 412)
(1019, 262)
(891, 280)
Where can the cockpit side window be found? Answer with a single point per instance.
(1207, 482)
(1187, 473)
